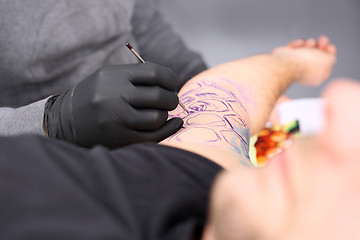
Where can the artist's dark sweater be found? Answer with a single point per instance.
(46, 46)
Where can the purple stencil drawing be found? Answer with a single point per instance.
(216, 114)
(236, 141)
(246, 94)
(215, 92)
(181, 114)
(187, 100)
(193, 88)
(234, 120)
(238, 108)
(233, 138)
(178, 112)
(209, 105)
(192, 133)
(213, 104)
(209, 119)
(209, 82)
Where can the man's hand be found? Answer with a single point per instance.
(116, 106)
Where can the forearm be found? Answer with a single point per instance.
(23, 120)
(258, 81)
(229, 102)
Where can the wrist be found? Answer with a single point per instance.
(44, 126)
(292, 66)
(57, 115)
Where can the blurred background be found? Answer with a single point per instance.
(224, 30)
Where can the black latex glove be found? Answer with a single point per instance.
(116, 106)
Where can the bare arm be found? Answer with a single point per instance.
(230, 102)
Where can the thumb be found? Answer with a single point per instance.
(170, 127)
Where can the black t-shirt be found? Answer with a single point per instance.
(53, 190)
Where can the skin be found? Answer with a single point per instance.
(274, 116)
(249, 88)
(306, 192)
(310, 191)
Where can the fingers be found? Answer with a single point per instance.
(154, 97)
(168, 129)
(310, 43)
(322, 43)
(331, 49)
(325, 45)
(296, 43)
(146, 119)
(150, 74)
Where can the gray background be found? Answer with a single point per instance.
(224, 30)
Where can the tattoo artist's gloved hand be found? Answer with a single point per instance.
(116, 106)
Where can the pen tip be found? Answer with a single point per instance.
(128, 45)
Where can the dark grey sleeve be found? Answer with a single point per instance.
(160, 44)
(22, 120)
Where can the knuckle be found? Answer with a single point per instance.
(98, 73)
(152, 70)
(157, 71)
(130, 118)
(111, 72)
(103, 123)
(102, 73)
(174, 102)
(157, 95)
(159, 118)
(130, 95)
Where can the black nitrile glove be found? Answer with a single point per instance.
(116, 106)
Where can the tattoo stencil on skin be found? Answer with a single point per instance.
(217, 113)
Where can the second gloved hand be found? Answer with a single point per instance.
(116, 106)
